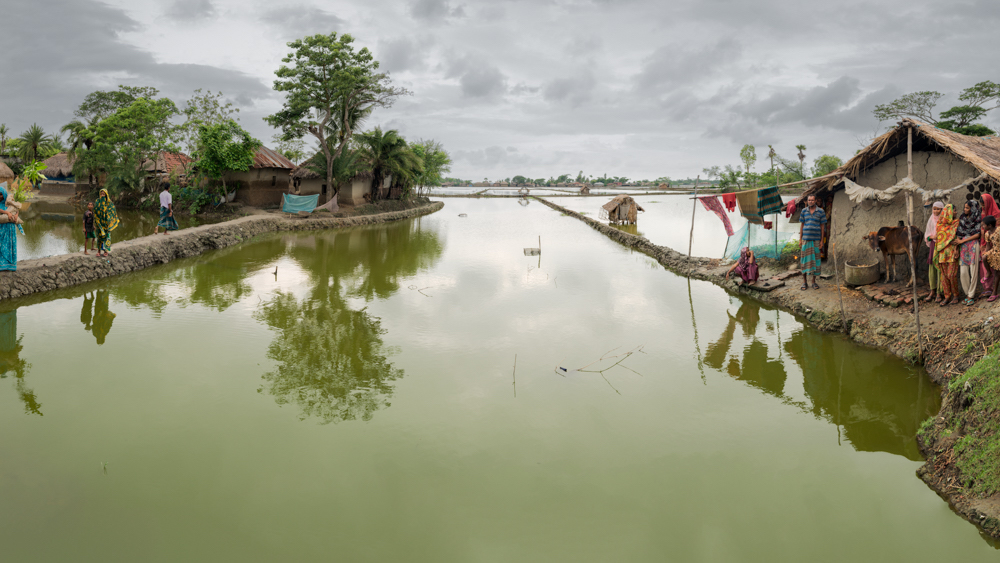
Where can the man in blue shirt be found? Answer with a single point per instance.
(811, 219)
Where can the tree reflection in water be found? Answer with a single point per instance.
(332, 361)
(879, 406)
(11, 362)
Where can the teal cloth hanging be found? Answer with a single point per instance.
(296, 203)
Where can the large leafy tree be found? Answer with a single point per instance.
(387, 154)
(4, 137)
(825, 165)
(979, 100)
(104, 103)
(34, 144)
(224, 147)
(329, 84)
(437, 163)
(127, 140)
(203, 109)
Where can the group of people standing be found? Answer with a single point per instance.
(964, 251)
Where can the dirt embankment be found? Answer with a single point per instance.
(45, 274)
(961, 352)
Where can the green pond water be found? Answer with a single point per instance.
(52, 228)
(352, 396)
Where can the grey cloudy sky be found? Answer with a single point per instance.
(641, 88)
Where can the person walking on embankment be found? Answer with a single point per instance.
(933, 274)
(105, 220)
(812, 219)
(946, 254)
(167, 220)
(969, 226)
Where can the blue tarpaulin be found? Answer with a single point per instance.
(296, 203)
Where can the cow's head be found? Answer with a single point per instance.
(873, 240)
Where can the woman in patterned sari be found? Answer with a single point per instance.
(745, 267)
(8, 242)
(947, 255)
(105, 221)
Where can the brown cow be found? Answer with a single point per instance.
(891, 241)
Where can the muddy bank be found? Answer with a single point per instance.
(45, 274)
(954, 339)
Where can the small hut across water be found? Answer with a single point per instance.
(621, 210)
(6, 174)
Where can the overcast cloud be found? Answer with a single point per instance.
(640, 88)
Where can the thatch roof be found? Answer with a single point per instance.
(303, 172)
(6, 174)
(982, 153)
(58, 166)
(619, 200)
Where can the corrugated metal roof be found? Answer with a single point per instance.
(267, 158)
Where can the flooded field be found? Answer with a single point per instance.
(57, 228)
(424, 391)
(666, 221)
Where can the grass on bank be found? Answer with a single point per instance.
(977, 454)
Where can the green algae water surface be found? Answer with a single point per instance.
(353, 396)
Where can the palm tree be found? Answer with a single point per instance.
(802, 159)
(3, 138)
(345, 166)
(80, 137)
(33, 142)
(386, 153)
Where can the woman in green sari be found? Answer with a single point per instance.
(105, 221)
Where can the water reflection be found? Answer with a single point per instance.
(96, 315)
(11, 363)
(878, 409)
(332, 362)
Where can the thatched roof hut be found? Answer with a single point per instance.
(981, 153)
(621, 209)
(942, 160)
(6, 174)
(58, 166)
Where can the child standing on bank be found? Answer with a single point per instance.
(88, 228)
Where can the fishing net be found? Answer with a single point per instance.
(761, 241)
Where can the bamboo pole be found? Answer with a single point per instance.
(910, 241)
(836, 269)
(693, 209)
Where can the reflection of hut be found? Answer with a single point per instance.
(621, 209)
(6, 174)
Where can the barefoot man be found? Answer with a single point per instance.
(812, 219)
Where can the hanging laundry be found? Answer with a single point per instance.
(790, 209)
(748, 206)
(711, 203)
(729, 200)
(769, 201)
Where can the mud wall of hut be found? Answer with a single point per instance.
(931, 170)
(261, 187)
